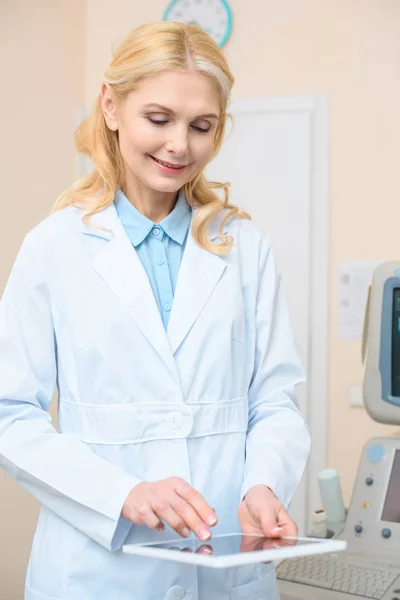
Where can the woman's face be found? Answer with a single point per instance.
(166, 128)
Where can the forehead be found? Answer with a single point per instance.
(181, 91)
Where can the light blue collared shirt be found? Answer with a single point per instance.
(160, 246)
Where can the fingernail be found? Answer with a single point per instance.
(185, 531)
(277, 530)
(204, 534)
(211, 520)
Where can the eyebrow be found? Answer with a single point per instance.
(169, 110)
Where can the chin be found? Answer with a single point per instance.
(167, 186)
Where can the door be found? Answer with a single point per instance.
(275, 158)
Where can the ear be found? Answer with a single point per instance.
(109, 108)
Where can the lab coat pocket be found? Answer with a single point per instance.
(265, 588)
(238, 328)
(53, 544)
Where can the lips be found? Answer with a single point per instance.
(167, 164)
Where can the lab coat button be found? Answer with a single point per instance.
(174, 420)
(177, 592)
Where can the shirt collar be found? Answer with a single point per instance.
(176, 224)
(138, 227)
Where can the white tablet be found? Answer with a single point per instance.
(233, 549)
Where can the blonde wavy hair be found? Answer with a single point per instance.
(148, 50)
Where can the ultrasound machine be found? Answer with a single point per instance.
(370, 567)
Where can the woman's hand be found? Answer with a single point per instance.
(261, 512)
(173, 501)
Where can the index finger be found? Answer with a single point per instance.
(290, 529)
(287, 524)
(196, 500)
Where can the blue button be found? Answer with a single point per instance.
(358, 528)
(156, 231)
(386, 533)
(376, 453)
(160, 262)
(167, 307)
(369, 481)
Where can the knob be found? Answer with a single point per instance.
(386, 533)
(358, 528)
(376, 453)
(369, 481)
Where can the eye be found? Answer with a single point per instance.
(156, 121)
(200, 129)
(160, 122)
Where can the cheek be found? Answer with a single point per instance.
(203, 149)
(140, 140)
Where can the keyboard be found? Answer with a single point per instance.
(330, 572)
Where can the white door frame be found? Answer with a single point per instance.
(316, 106)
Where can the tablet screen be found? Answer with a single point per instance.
(232, 544)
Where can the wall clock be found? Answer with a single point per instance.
(214, 16)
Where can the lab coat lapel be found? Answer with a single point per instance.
(199, 273)
(120, 268)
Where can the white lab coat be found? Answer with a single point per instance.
(211, 401)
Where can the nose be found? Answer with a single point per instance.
(178, 142)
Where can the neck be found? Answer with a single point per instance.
(152, 204)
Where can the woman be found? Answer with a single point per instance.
(157, 311)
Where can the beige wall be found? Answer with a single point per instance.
(42, 69)
(348, 49)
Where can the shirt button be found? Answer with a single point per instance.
(160, 262)
(167, 307)
(156, 231)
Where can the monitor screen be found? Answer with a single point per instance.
(396, 343)
(391, 509)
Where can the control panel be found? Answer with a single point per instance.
(373, 520)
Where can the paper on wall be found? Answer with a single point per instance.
(354, 280)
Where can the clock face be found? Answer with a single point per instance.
(214, 16)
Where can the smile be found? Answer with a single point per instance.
(166, 166)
